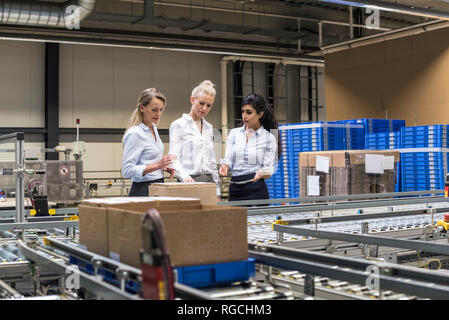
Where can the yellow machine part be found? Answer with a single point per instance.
(445, 225)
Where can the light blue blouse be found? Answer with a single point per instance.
(139, 150)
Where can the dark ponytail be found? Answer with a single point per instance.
(268, 120)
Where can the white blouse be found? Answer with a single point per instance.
(194, 149)
(247, 157)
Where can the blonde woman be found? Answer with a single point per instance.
(191, 139)
(143, 150)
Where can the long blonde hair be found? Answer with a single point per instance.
(205, 87)
(144, 99)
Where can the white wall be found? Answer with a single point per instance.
(100, 85)
(22, 85)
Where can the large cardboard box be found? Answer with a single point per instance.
(362, 182)
(93, 216)
(205, 191)
(346, 173)
(211, 234)
(333, 182)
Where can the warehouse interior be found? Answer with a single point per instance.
(358, 89)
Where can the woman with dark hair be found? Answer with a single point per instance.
(251, 151)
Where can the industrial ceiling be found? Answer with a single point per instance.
(288, 28)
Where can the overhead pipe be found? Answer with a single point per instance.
(319, 62)
(204, 25)
(400, 33)
(271, 15)
(148, 18)
(393, 7)
(42, 14)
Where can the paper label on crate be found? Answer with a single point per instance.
(374, 163)
(322, 164)
(114, 256)
(313, 185)
(388, 162)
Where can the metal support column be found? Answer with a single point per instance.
(20, 182)
(51, 99)
(238, 91)
(316, 95)
(270, 83)
(224, 104)
(310, 93)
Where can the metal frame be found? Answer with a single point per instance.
(409, 280)
(58, 212)
(101, 289)
(38, 225)
(331, 198)
(18, 138)
(343, 205)
(366, 239)
(96, 286)
(368, 216)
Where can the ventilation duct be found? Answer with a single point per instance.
(43, 14)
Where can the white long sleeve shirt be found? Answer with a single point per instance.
(194, 149)
(140, 149)
(247, 157)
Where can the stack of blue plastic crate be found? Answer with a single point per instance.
(279, 180)
(375, 126)
(378, 125)
(305, 137)
(424, 157)
(383, 140)
(276, 184)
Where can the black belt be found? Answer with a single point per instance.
(245, 179)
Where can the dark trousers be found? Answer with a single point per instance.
(140, 189)
(248, 191)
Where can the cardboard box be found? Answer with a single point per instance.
(347, 173)
(332, 183)
(93, 216)
(205, 191)
(211, 234)
(364, 183)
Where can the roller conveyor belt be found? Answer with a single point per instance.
(276, 283)
(260, 230)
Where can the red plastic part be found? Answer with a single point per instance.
(446, 217)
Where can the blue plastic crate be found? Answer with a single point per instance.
(215, 274)
(130, 286)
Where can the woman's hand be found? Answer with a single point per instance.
(260, 174)
(224, 169)
(171, 171)
(166, 161)
(189, 179)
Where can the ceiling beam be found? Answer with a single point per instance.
(393, 7)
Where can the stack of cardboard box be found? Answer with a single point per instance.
(334, 173)
(196, 234)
